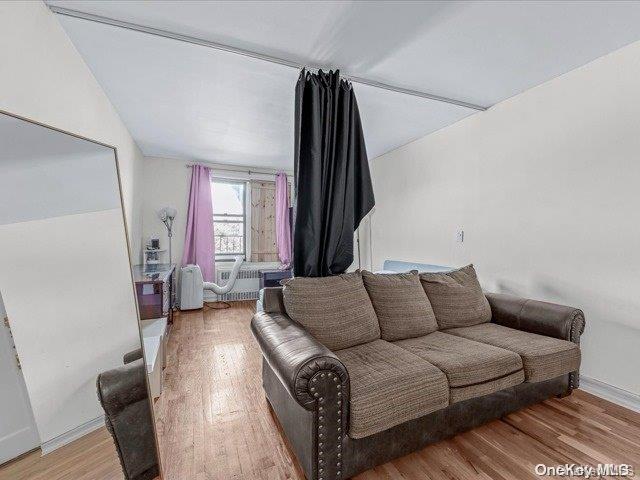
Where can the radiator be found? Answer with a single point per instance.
(235, 296)
(247, 283)
(223, 276)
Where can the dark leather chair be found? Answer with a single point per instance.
(123, 395)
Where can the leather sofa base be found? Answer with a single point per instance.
(297, 422)
(150, 474)
(365, 453)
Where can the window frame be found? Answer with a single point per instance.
(229, 257)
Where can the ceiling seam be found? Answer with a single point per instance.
(251, 54)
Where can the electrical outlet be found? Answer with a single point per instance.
(460, 236)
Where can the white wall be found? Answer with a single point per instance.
(68, 293)
(166, 183)
(43, 78)
(545, 186)
(64, 270)
(18, 431)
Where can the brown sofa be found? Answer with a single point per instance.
(364, 368)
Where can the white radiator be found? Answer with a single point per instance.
(247, 284)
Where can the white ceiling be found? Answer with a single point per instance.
(188, 101)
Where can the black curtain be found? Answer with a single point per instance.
(333, 190)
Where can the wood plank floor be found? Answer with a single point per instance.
(214, 424)
(92, 457)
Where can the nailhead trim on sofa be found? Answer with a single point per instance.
(327, 389)
(577, 329)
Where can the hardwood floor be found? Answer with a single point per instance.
(214, 424)
(212, 419)
(92, 457)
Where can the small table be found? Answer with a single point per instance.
(271, 278)
(154, 289)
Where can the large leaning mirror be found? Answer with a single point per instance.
(71, 370)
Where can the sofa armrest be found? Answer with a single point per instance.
(122, 386)
(298, 359)
(314, 378)
(550, 319)
(132, 356)
(123, 395)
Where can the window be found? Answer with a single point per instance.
(229, 218)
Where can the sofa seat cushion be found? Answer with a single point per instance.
(402, 306)
(456, 298)
(458, 394)
(464, 362)
(336, 310)
(390, 386)
(543, 357)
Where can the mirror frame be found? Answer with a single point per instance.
(128, 244)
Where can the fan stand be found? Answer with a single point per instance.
(218, 305)
(220, 290)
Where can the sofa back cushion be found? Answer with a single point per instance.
(456, 297)
(402, 307)
(335, 310)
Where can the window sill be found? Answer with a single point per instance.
(228, 260)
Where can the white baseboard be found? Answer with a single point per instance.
(68, 437)
(616, 395)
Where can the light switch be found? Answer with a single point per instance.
(460, 236)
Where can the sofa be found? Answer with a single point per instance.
(362, 368)
(122, 392)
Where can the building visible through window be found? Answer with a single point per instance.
(229, 218)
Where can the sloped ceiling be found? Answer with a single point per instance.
(189, 101)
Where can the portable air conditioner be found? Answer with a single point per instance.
(191, 288)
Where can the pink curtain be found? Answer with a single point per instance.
(198, 240)
(283, 230)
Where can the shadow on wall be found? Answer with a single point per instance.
(598, 304)
(510, 287)
(611, 339)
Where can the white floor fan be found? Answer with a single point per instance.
(221, 290)
(192, 286)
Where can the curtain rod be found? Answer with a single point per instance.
(251, 54)
(249, 171)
